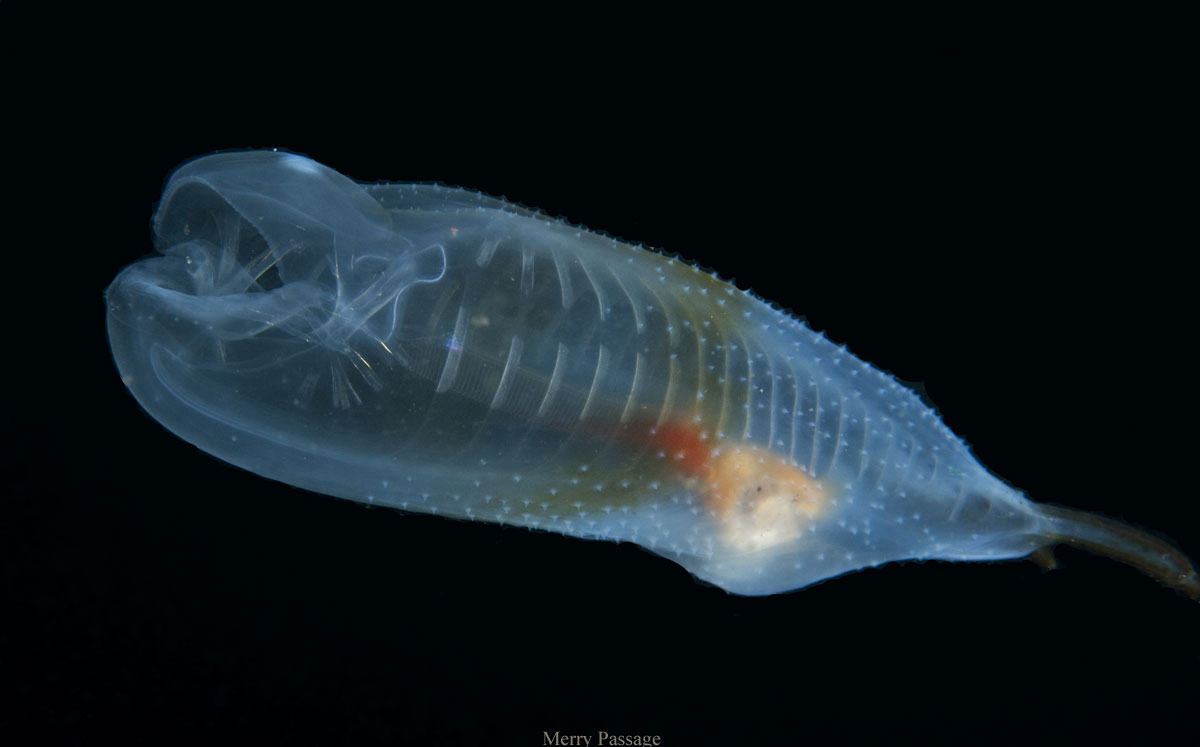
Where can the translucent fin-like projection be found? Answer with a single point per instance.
(438, 350)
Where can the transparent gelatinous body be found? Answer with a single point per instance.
(438, 350)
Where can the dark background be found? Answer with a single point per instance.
(1001, 225)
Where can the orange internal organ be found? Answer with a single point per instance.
(761, 498)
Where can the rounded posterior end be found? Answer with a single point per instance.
(1185, 578)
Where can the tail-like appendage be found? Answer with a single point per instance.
(1138, 548)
